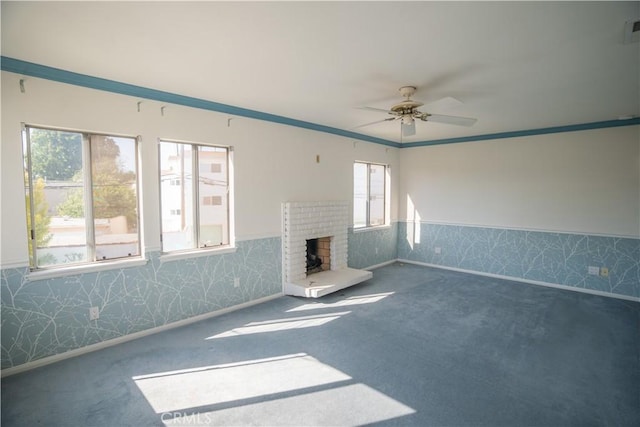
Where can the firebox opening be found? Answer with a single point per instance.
(318, 255)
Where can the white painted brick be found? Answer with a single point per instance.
(310, 220)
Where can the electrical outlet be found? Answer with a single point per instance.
(438, 250)
(604, 272)
(94, 313)
(594, 271)
(376, 251)
(236, 282)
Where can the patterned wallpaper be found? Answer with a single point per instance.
(556, 258)
(373, 246)
(47, 317)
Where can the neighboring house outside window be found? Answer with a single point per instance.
(81, 193)
(370, 195)
(212, 200)
(194, 216)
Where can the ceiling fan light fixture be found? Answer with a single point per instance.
(407, 120)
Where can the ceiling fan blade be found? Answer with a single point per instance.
(373, 123)
(443, 104)
(409, 129)
(449, 120)
(380, 110)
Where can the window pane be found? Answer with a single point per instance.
(115, 200)
(212, 190)
(359, 194)
(176, 188)
(58, 198)
(376, 194)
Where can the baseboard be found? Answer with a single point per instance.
(130, 337)
(382, 264)
(521, 280)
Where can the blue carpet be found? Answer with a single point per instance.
(412, 346)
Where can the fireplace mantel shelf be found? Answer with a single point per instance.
(326, 282)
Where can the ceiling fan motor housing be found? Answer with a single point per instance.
(406, 107)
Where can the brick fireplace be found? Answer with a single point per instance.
(328, 222)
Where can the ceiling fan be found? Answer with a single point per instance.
(407, 112)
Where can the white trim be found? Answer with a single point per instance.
(365, 229)
(14, 264)
(102, 265)
(258, 237)
(539, 230)
(527, 281)
(94, 267)
(130, 337)
(196, 253)
(382, 264)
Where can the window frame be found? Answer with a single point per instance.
(386, 196)
(92, 263)
(197, 250)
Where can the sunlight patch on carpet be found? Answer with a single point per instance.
(280, 325)
(355, 300)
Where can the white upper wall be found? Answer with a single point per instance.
(584, 182)
(273, 163)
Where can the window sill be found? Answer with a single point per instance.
(196, 253)
(375, 228)
(52, 273)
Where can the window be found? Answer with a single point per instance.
(195, 212)
(81, 195)
(369, 194)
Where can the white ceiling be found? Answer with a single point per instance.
(514, 65)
